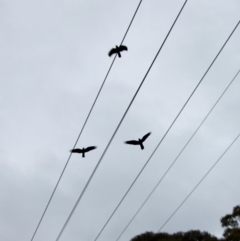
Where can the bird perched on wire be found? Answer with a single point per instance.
(90, 148)
(117, 50)
(140, 141)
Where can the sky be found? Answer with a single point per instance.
(54, 57)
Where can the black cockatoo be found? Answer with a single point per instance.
(140, 141)
(117, 50)
(83, 150)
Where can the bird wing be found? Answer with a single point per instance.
(76, 150)
(123, 47)
(90, 148)
(111, 52)
(146, 136)
(132, 142)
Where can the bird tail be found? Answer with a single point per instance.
(141, 145)
(119, 55)
(83, 154)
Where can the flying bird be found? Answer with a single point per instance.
(140, 141)
(90, 148)
(117, 50)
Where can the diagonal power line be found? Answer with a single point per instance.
(80, 133)
(165, 132)
(198, 183)
(153, 190)
(111, 139)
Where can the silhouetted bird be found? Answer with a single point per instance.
(117, 50)
(83, 150)
(140, 141)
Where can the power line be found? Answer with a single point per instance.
(85, 123)
(177, 156)
(89, 180)
(198, 183)
(163, 138)
(145, 163)
(165, 133)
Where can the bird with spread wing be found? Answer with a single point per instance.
(82, 151)
(140, 141)
(117, 50)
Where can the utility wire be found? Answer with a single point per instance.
(84, 123)
(152, 154)
(198, 184)
(164, 134)
(89, 180)
(177, 156)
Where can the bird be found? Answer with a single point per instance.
(117, 50)
(90, 148)
(140, 141)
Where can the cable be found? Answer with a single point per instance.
(84, 124)
(162, 138)
(145, 163)
(164, 134)
(89, 180)
(177, 156)
(198, 183)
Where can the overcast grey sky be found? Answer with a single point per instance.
(53, 61)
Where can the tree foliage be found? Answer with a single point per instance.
(231, 223)
(192, 235)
